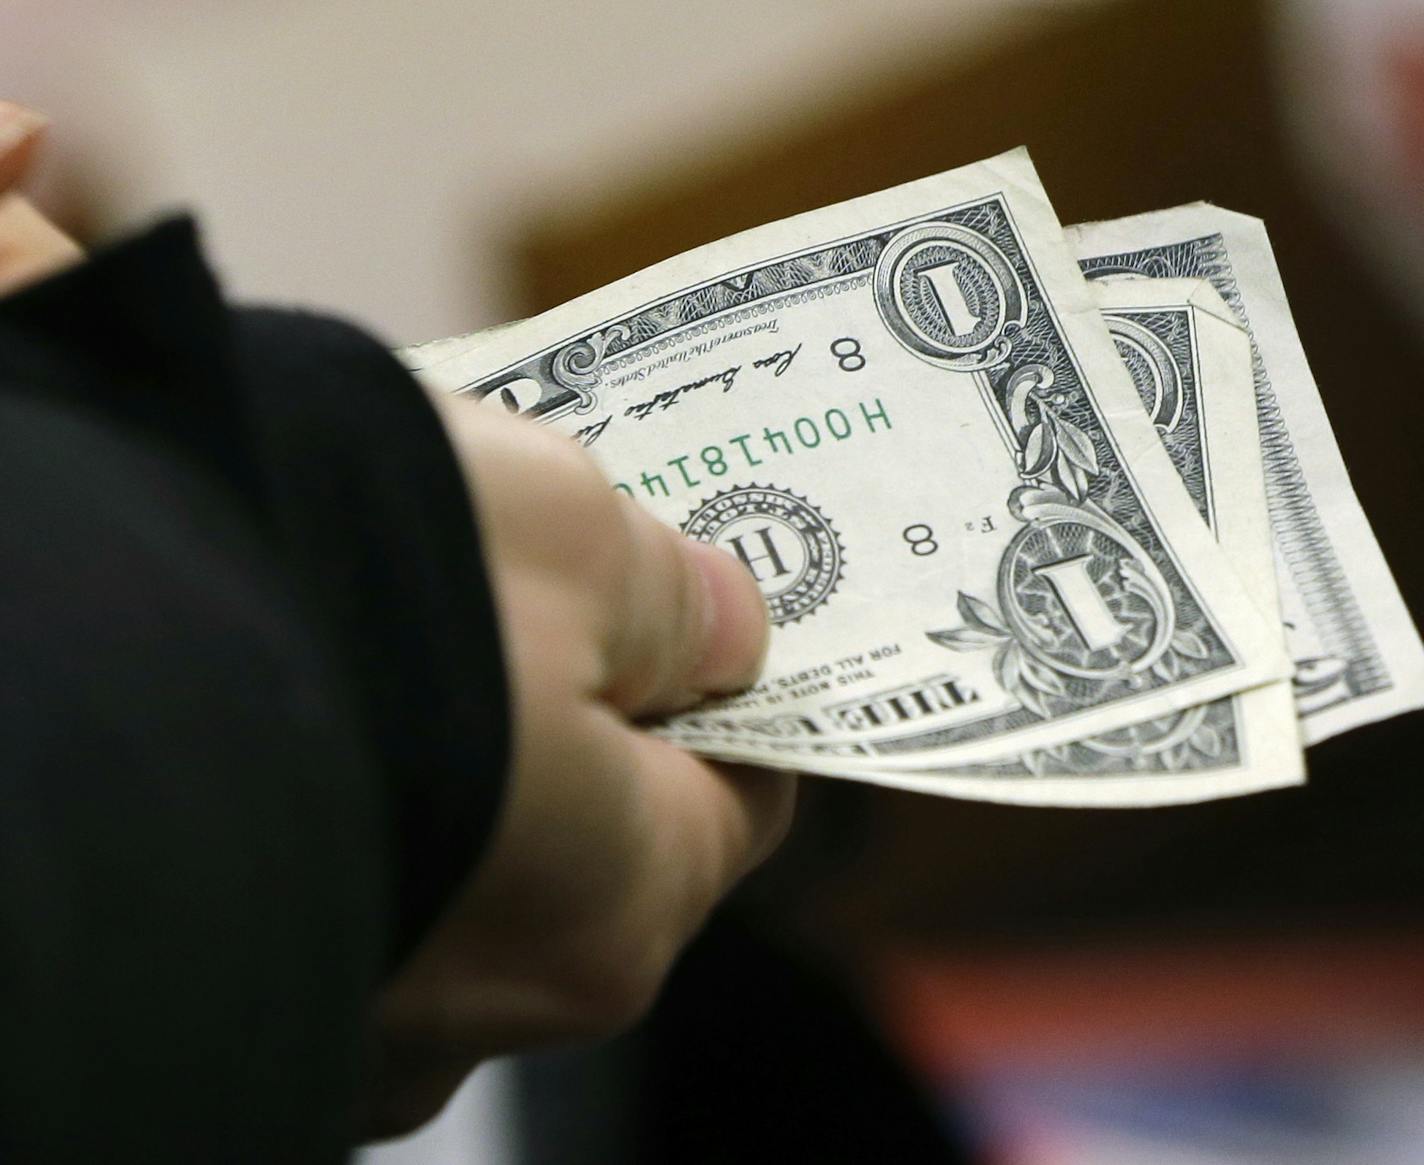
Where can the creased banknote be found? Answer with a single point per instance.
(1191, 364)
(1357, 654)
(905, 415)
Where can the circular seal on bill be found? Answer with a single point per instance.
(793, 552)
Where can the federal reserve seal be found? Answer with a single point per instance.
(793, 552)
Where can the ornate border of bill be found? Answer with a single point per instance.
(1030, 529)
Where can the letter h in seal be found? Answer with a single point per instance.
(790, 547)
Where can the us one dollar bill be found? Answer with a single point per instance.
(1191, 364)
(1357, 653)
(906, 416)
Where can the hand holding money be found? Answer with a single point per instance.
(606, 615)
(1024, 535)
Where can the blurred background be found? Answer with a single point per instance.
(1239, 983)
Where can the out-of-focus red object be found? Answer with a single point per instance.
(1276, 996)
(1407, 70)
(1352, 74)
(1205, 1052)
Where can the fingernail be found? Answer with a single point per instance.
(736, 628)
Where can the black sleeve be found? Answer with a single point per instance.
(252, 711)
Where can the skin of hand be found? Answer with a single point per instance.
(31, 247)
(614, 844)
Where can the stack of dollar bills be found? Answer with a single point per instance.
(1041, 515)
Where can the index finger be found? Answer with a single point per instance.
(20, 131)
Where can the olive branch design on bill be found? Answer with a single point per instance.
(1058, 462)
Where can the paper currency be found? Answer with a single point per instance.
(1357, 654)
(1191, 364)
(906, 416)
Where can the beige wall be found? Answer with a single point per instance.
(371, 156)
